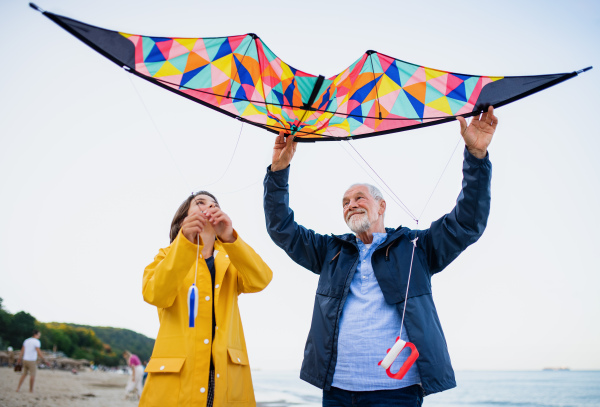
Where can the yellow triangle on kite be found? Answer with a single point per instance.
(386, 85)
(496, 78)
(441, 104)
(433, 73)
(187, 42)
(250, 110)
(343, 125)
(168, 69)
(286, 72)
(224, 64)
(259, 87)
(275, 110)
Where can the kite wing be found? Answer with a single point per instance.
(240, 77)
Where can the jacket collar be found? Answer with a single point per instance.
(392, 234)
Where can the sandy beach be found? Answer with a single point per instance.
(55, 388)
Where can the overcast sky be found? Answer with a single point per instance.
(94, 162)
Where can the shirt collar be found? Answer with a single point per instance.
(377, 239)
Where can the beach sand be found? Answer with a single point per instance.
(56, 388)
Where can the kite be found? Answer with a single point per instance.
(241, 77)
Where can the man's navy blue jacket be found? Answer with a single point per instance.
(335, 259)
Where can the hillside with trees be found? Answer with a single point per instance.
(102, 345)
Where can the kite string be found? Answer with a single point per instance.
(395, 197)
(392, 194)
(440, 178)
(402, 205)
(369, 174)
(169, 151)
(414, 242)
(230, 160)
(242, 188)
(183, 177)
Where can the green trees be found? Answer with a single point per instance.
(14, 329)
(102, 345)
(123, 339)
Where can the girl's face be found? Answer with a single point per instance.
(202, 202)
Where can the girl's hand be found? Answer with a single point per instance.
(193, 224)
(221, 224)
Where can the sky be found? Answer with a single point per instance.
(94, 162)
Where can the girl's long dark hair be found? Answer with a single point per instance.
(183, 211)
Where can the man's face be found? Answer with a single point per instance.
(361, 210)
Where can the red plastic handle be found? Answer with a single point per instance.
(414, 354)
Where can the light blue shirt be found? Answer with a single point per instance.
(369, 327)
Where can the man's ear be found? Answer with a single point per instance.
(382, 206)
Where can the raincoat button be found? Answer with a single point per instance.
(217, 286)
(202, 389)
(206, 341)
(218, 376)
(162, 368)
(239, 360)
(226, 255)
(207, 298)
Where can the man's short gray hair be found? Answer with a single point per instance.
(373, 190)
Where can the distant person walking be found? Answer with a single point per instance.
(29, 354)
(137, 373)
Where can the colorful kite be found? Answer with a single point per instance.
(240, 77)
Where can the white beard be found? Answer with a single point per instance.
(359, 222)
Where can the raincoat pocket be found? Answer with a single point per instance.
(164, 382)
(239, 384)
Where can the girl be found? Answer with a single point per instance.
(201, 360)
(137, 374)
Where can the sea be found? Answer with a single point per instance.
(564, 388)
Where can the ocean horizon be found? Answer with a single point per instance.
(546, 388)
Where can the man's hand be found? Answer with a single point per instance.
(193, 224)
(221, 223)
(478, 134)
(283, 151)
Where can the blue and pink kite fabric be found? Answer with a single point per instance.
(242, 78)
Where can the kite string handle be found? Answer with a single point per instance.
(400, 344)
(393, 353)
(192, 299)
(197, 256)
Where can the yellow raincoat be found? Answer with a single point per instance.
(179, 368)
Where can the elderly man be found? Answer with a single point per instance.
(363, 280)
